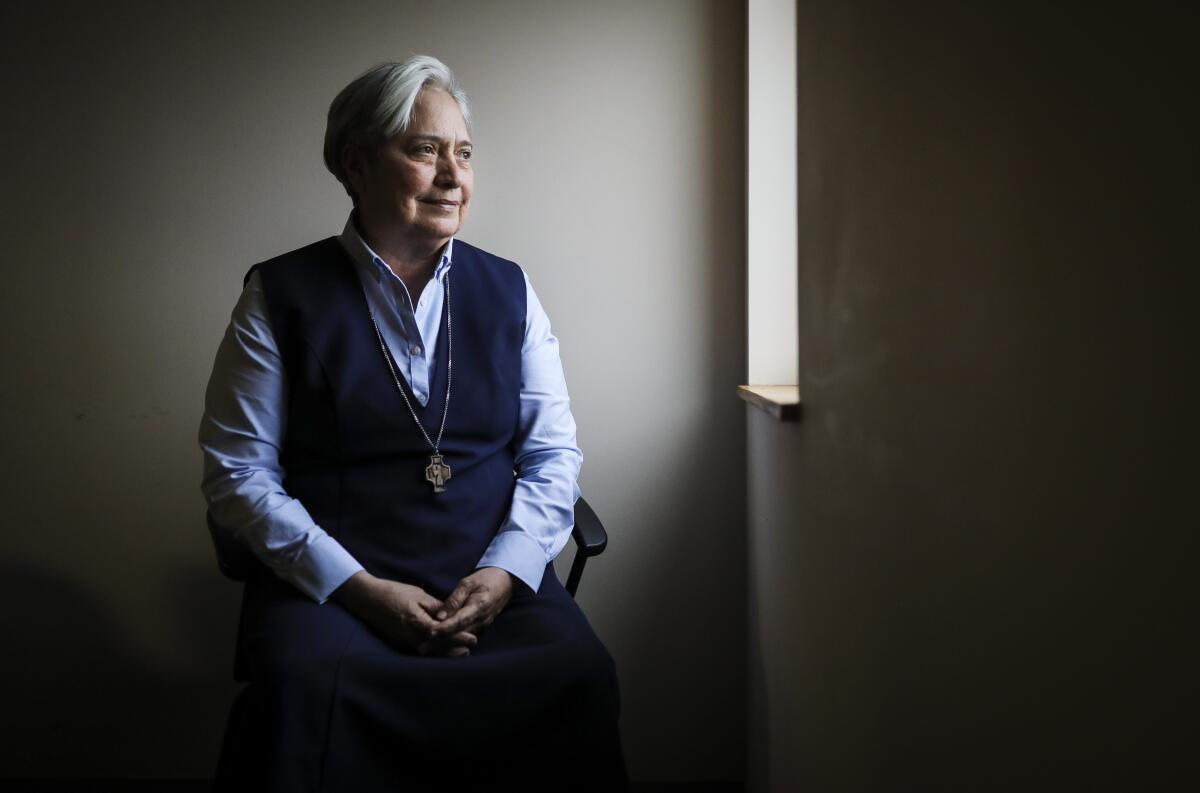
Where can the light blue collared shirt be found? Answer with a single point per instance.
(245, 421)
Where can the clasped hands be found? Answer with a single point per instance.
(409, 617)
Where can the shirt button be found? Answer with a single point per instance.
(415, 349)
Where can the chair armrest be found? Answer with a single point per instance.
(589, 533)
(590, 540)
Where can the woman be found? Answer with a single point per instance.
(370, 402)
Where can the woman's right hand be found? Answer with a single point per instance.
(401, 614)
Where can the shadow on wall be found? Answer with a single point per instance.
(83, 700)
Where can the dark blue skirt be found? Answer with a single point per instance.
(331, 707)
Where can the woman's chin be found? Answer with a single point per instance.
(441, 228)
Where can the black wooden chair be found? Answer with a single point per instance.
(236, 560)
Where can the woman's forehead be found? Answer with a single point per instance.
(436, 113)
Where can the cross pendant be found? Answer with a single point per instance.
(436, 473)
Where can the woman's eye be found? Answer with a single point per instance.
(465, 154)
(424, 148)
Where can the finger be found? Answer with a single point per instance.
(465, 619)
(458, 652)
(464, 638)
(421, 621)
(460, 595)
(432, 607)
(448, 645)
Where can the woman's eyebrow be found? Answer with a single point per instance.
(429, 136)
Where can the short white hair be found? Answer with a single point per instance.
(378, 104)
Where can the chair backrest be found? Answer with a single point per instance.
(235, 560)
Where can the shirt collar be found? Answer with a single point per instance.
(369, 262)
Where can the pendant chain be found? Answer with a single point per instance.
(449, 371)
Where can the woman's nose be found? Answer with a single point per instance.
(448, 172)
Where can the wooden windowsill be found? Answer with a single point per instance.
(781, 401)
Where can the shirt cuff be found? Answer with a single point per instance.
(519, 554)
(321, 568)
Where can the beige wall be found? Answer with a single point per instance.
(153, 151)
(968, 561)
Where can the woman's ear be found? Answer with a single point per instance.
(354, 165)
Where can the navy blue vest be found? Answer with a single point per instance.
(352, 454)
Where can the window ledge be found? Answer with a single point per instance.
(781, 401)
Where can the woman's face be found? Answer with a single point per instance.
(420, 184)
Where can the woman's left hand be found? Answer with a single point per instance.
(475, 602)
